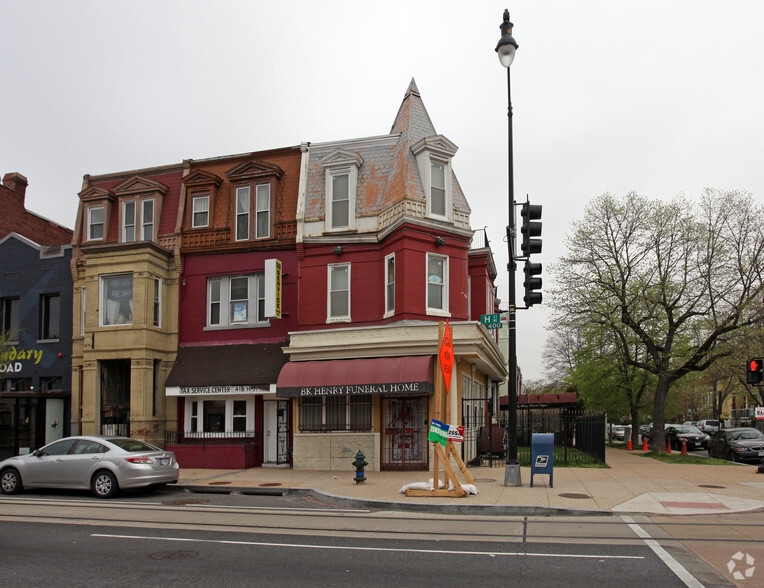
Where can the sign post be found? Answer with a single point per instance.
(443, 435)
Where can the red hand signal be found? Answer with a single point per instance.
(754, 365)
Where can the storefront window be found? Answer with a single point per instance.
(220, 417)
(214, 416)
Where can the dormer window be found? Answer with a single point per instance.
(262, 208)
(200, 216)
(437, 188)
(433, 155)
(138, 220)
(341, 169)
(95, 223)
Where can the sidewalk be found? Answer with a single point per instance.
(632, 485)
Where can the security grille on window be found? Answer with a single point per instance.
(335, 413)
(236, 301)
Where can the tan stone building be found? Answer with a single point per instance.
(125, 266)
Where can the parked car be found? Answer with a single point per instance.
(695, 438)
(739, 444)
(618, 432)
(103, 464)
(708, 426)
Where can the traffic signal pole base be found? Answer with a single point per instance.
(512, 475)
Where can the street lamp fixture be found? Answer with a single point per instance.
(507, 45)
(506, 49)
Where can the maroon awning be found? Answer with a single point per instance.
(391, 376)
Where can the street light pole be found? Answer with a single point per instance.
(506, 49)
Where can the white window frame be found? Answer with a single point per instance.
(352, 173)
(444, 285)
(229, 417)
(197, 202)
(128, 228)
(329, 291)
(139, 228)
(389, 283)
(262, 211)
(147, 226)
(104, 312)
(255, 302)
(443, 164)
(240, 191)
(157, 303)
(428, 151)
(92, 224)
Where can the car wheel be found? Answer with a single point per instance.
(104, 484)
(10, 482)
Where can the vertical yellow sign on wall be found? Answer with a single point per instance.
(273, 288)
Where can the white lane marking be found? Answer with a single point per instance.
(355, 548)
(680, 571)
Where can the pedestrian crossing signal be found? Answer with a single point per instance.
(755, 371)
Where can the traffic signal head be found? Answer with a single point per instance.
(529, 229)
(532, 283)
(755, 371)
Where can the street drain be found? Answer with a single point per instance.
(709, 486)
(173, 555)
(219, 483)
(574, 495)
(485, 480)
(182, 501)
(270, 484)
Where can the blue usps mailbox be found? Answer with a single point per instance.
(542, 456)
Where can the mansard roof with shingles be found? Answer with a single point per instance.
(388, 169)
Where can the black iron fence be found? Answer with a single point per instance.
(203, 439)
(579, 435)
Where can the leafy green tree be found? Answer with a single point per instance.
(675, 277)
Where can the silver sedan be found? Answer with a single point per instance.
(103, 464)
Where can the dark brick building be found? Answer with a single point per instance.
(35, 322)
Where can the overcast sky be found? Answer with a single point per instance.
(661, 97)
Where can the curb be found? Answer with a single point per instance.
(362, 503)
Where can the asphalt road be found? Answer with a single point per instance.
(171, 538)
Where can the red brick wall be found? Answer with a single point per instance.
(14, 218)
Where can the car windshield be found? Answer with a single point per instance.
(749, 434)
(687, 429)
(132, 445)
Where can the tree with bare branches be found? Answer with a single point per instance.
(678, 278)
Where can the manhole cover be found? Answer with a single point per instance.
(219, 483)
(173, 555)
(574, 495)
(709, 486)
(186, 501)
(486, 480)
(270, 484)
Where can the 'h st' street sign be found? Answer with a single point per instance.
(491, 321)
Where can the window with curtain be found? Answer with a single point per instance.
(116, 300)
